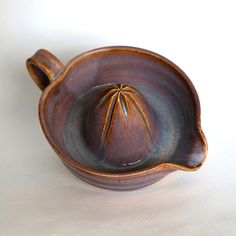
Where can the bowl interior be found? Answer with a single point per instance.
(167, 90)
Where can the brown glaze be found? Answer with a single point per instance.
(43, 67)
(120, 126)
(119, 117)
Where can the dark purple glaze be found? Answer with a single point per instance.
(164, 132)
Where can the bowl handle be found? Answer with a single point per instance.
(43, 67)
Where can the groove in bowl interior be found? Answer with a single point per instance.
(164, 89)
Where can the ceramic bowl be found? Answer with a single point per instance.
(119, 117)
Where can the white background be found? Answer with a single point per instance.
(39, 196)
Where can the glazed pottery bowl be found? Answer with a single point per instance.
(119, 117)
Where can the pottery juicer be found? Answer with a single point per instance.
(119, 117)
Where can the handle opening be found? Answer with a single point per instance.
(38, 75)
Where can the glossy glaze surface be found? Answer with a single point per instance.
(118, 125)
(164, 129)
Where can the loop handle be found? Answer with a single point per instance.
(43, 67)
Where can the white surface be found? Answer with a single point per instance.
(39, 196)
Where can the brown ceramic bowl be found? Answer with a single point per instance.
(119, 117)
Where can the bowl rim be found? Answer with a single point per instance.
(149, 170)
